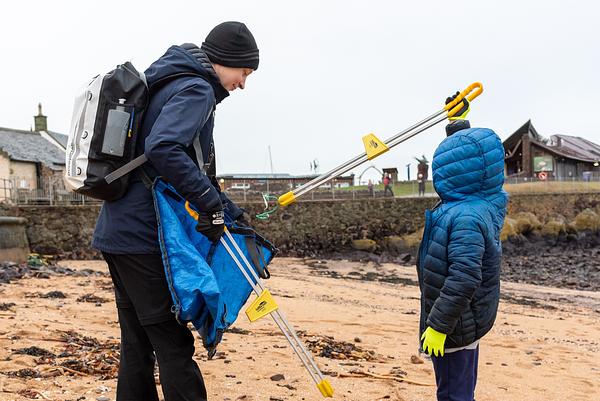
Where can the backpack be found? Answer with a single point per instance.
(106, 119)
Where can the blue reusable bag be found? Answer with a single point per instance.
(207, 287)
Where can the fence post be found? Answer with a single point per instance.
(333, 189)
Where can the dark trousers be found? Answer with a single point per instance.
(387, 189)
(150, 333)
(456, 375)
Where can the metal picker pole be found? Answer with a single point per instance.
(277, 313)
(471, 92)
(403, 136)
(342, 168)
(279, 319)
(258, 291)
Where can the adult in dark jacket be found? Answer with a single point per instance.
(186, 84)
(460, 255)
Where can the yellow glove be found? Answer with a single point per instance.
(434, 341)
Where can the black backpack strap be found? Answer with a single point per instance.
(146, 180)
(257, 257)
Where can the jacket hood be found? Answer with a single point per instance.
(468, 165)
(178, 60)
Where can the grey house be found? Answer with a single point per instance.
(31, 159)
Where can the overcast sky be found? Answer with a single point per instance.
(330, 71)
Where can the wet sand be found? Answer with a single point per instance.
(543, 347)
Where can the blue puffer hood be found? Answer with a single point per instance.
(177, 60)
(468, 165)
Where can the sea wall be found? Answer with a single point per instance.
(305, 228)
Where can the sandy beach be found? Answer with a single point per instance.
(543, 347)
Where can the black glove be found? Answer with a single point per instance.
(211, 224)
(458, 121)
(242, 221)
(462, 113)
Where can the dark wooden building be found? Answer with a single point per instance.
(393, 172)
(560, 157)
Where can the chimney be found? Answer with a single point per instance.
(41, 121)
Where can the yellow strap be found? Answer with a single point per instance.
(191, 211)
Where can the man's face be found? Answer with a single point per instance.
(232, 77)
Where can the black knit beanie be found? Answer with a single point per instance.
(231, 44)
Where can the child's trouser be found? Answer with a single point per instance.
(456, 375)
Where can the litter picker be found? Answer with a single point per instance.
(375, 147)
(264, 305)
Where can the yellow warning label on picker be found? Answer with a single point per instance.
(262, 306)
(374, 146)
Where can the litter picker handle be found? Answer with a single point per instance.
(471, 92)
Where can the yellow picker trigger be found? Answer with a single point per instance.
(261, 306)
(287, 199)
(325, 388)
(454, 106)
(374, 146)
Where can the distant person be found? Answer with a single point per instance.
(422, 173)
(421, 183)
(177, 138)
(370, 187)
(459, 271)
(387, 185)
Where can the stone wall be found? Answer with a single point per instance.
(305, 228)
(547, 205)
(327, 227)
(58, 229)
(13, 239)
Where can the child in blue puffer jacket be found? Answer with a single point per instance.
(459, 257)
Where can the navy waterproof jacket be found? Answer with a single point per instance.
(460, 255)
(177, 138)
